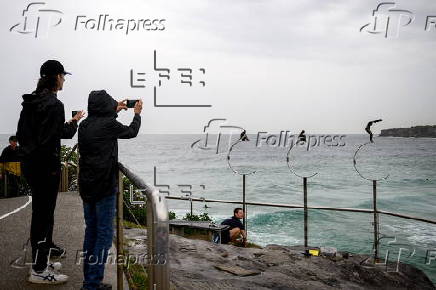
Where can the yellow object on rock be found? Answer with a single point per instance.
(314, 252)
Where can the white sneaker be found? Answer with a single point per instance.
(47, 277)
(56, 266)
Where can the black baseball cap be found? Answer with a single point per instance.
(51, 68)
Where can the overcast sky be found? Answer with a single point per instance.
(270, 65)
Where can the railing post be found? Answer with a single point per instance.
(244, 206)
(77, 174)
(150, 249)
(120, 234)
(66, 177)
(63, 184)
(157, 233)
(305, 211)
(374, 201)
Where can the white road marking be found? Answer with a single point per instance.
(17, 209)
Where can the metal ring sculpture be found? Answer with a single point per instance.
(230, 165)
(292, 169)
(357, 170)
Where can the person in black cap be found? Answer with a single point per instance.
(40, 129)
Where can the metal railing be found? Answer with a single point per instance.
(157, 231)
(374, 211)
(296, 206)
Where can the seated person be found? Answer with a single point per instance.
(236, 232)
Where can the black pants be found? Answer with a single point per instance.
(44, 184)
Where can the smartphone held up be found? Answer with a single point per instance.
(131, 103)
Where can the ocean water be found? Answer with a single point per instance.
(410, 188)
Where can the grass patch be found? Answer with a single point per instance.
(131, 225)
(136, 276)
(253, 245)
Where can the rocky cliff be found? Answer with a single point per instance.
(197, 264)
(417, 131)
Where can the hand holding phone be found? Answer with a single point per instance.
(122, 105)
(138, 107)
(77, 115)
(131, 103)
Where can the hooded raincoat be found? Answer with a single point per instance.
(98, 146)
(40, 129)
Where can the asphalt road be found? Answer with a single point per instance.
(68, 233)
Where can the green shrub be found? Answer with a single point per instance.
(201, 217)
(72, 159)
(172, 215)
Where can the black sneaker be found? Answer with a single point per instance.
(104, 286)
(56, 251)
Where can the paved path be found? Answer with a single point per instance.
(68, 232)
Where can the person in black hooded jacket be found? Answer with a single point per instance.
(40, 129)
(98, 178)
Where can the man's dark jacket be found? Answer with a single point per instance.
(98, 146)
(233, 222)
(10, 155)
(40, 129)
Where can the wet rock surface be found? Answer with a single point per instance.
(197, 264)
